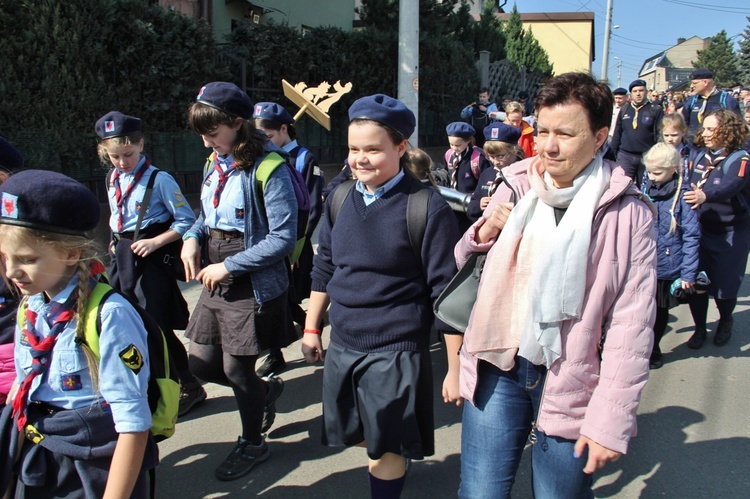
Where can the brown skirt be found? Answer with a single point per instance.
(228, 315)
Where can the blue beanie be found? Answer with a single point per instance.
(502, 133)
(226, 97)
(460, 129)
(636, 83)
(272, 112)
(116, 124)
(702, 74)
(385, 110)
(49, 201)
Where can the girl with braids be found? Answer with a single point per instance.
(244, 234)
(88, 415)
(678, 235)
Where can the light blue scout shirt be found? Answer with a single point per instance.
(166, 201)
(230, 214)
(370, 197)
(67, 382)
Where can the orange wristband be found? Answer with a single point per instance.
(312, 331)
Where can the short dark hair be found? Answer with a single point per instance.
(483, 90)
(595, 97)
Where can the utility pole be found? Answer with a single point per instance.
(607, 34)
(408, 59)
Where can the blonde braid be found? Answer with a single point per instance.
(84, 272)
(675, 200)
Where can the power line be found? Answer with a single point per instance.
(703, 6)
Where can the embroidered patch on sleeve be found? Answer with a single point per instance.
(33, 434)
(71, 382)
(132, 358)
(178, 196)
(316, 171)
(239, 213)
(743, 165)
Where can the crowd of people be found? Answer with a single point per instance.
(598, 212)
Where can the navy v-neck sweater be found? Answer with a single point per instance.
(381, 299)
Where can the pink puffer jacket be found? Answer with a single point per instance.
(7, 370)
(591, 391)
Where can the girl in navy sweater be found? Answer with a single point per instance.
(678, 235)
(377, 382)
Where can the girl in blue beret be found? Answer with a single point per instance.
(377, 381)
(79, 422)
(149, 215)
(278, 125)
(243, 236)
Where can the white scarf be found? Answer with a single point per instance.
(541, 269)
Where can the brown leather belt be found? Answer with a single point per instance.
(222, 234)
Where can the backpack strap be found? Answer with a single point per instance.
(338, 197)
(93, 320)
(209, 166)
(417, 208)
(448, 157)
(266, 167)
(723, 99)
(475, 155)
(144, 203)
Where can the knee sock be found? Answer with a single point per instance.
(699, 310)
(250, 393)
(726, 307)
(386, 489)
(660, 326)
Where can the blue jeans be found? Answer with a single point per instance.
(495, 431)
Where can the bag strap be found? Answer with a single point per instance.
(144, 203)
(301, 158)
(338, 197)
(475, 155)
(93, 318)
(417, 208)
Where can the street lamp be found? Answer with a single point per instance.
(607, 33)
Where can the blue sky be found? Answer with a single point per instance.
(647, 27)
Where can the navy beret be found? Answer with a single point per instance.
(636, 83)
(272, 112)
(619, 91)
(49, 201)
(502, 133)
(226, 97)
(523, 94)
(116, 124)
(385, 110)
(702, 74)
(10, 158)
(460, 129)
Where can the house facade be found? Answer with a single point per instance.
(670, 69)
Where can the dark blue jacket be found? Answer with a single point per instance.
(466, 180)
(640, 139)
(677, 253)
(727, 191)
(714, 101)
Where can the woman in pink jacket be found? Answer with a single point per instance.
(558, 343)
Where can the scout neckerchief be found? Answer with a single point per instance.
(702, 110)
(223, 176)
(636, 109)
(41, 348)
(121, 198)
(455, 161)
(712, 159)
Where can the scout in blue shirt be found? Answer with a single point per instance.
(245, 234)
(142, 266)
(706, 98)
(278, 125)
(721, 197)
(88, 415)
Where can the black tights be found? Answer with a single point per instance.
(210, 363)
(179, 355)
(699, 309)
(660, 327)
